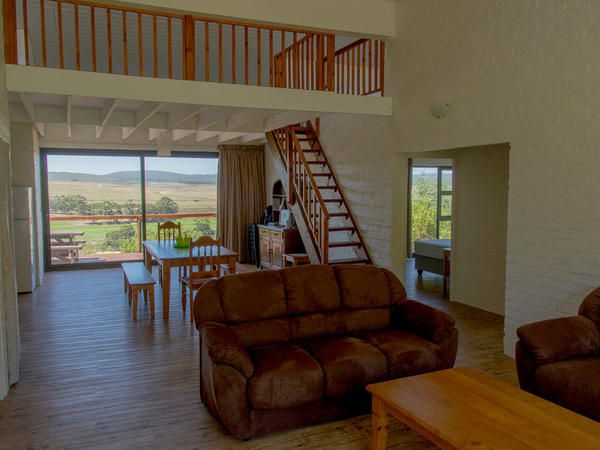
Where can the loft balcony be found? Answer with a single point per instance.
(86, 49)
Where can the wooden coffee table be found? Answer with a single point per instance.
(464, 408)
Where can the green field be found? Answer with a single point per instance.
(121, 237)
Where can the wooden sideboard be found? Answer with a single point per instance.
(274, 242)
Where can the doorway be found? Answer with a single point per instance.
(99, 206)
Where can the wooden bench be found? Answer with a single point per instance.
(137, 279)
(66, 253)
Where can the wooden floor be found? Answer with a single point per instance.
(93, 378)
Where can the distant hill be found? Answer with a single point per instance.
(152, 176)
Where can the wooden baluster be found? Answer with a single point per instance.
(271, 62)
(348, 81)
(61, 53)
(109, 39)
(296, 60)
(206, 51)
(140, 47)
(43, 31)
(233, 69)
(11, 51)
(370, 42)
(125, 59)
(25, 32)
(282, 58)
(155, 46)
(246, 54)
(93, 23)
(353, 69)
(330, 63)
(258, 57)
(364, 68)
(382, 69)
(189, 48)
(376, 65)
(170, 46)
(77, 38)
(220, 28)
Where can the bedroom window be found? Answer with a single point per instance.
(430, 203)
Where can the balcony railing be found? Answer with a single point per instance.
(94, 37)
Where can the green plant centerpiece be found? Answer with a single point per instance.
(182, 241)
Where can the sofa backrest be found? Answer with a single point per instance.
(295, 303)
(590, 307)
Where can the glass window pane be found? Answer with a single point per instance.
(95, 213)
(445, 229)
(184, 190)
(424, 203)
(446, 180)
(446, 206)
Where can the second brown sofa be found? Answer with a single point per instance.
(284, 349)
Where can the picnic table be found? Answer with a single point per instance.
(65, 246)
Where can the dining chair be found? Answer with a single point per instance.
(204, 265)
(168, 231)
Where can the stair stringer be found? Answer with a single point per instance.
(309, 246)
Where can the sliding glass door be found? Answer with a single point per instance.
(100, 206)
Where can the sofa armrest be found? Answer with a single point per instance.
(423, 320)
(557, 339)
(224, 347)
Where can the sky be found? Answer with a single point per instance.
(101, 165)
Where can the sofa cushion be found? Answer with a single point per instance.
(406, 353)
(349, 363)
(363, 286)
(253, 296)
(311, 289)
(263, 332)
(590, 307)
(316, 325)
(366, 319)
(285, 376)
(573, 384)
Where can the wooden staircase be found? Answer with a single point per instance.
(324, 219)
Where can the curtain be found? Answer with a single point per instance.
(9, 322)
(241, 194)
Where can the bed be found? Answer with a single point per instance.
(429, 255)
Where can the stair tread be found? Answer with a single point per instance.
(321, 174)
(317, 162)
(349, 228)
(339, 214)
(311, 150)
(349, 261)
(333, 200)
(328, 187)
(345, 244)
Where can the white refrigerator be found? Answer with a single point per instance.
(23, 243)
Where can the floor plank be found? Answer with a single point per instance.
(93, 378)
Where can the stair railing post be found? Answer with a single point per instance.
(331, 63)
(10, 32)
(325, 249)
(291, 165)
(320, 63)
(189, 48)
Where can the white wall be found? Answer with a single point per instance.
(25, 162)
(479, 227)
(360, 149)
(526, 74)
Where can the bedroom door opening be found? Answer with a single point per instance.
(430, 219)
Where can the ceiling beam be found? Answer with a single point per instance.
(229, 136)
(212, 116)
(289, 118)
(203, 135)
(27, 101)
(178, 135)
(252, 137)
(141, 116)
(107, 110)
(183, 113)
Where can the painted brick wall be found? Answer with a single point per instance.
(360, 151)
(524, 73)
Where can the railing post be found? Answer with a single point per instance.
(189, 48)
(291, 165)
(139, 232)
(325, 249)
(331, 63)
(382, 68)
(9, 10)
(320, 63)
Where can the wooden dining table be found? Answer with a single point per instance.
(167, 256)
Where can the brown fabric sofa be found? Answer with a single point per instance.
(559, 359)
(284, 349)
